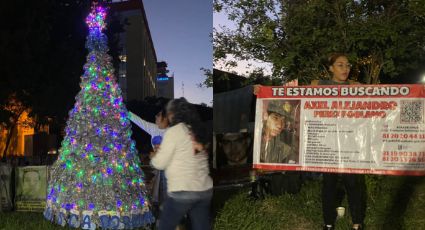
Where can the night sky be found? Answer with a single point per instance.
(181, 35)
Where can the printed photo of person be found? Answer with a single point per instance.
(5, 193)
(32, 183)
(279, 143)
(234, 149)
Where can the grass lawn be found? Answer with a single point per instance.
(392, 203)
(25, 221)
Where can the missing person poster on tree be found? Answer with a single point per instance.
(31, 186)
(376, 129)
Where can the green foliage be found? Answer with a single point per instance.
(301, 211)
(373, 186)
(25, 221)
(257, 77)
(392, 203)
(384, 39)
(208, 82)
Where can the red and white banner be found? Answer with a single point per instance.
(376, 129)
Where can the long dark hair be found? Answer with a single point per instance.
(184, 112)
(162, 112)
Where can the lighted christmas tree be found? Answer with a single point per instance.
(97, 180)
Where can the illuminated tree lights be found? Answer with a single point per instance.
(97, 180)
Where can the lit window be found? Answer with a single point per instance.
(123, 58)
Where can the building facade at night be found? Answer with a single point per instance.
(137, 70)
(164, 83)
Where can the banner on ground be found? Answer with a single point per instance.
(376, 129)
(31, 186)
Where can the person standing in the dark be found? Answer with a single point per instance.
(156, 130)
(354, 183)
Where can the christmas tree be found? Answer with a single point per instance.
(97, 180)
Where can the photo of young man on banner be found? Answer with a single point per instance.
(361, 129)
(278, 142)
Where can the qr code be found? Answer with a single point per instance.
(412, 112)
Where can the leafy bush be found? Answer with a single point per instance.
(392, 203)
